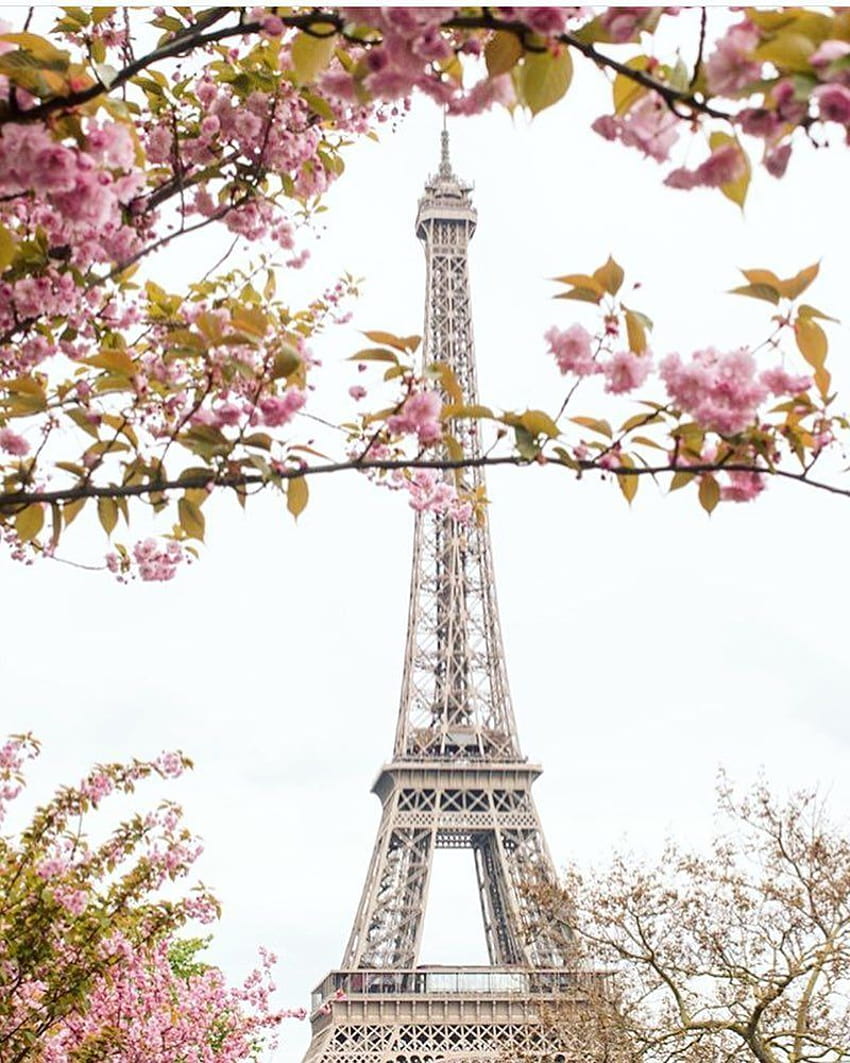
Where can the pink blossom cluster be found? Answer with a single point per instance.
(722, 392)
(77, 195)
(411, 50)
(732, 66)
(573, 351)
(419, 416)
(648, 125)
(724, 165)
(430, 491)
(151, 560)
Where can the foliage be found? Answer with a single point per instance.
(91, 967)
(125, 131)
(743, 954)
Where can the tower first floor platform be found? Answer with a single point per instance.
(444, 1014)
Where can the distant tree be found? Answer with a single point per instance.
(743, 954)
(123, 131)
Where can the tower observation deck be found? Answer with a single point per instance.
(457, 777)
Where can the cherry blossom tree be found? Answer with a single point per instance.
(123, 132)
(92, 966)
(740, 954)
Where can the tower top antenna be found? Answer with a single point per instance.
(445, 161)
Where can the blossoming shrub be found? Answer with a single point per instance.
(91, 967)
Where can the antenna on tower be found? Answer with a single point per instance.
(445, 162)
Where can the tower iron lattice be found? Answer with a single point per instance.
(457, 778)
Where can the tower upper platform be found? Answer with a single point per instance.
(446, 196)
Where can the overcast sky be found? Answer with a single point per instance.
(645, 647)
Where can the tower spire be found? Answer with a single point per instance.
(445, 161)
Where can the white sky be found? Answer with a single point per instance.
(645, 647)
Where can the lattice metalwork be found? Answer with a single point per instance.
(457, 778)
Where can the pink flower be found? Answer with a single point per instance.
(723, 165)
(759, 122)
(730, 67)
(277, 410)
(828, 52)
(621, 23)
(12, 443)
(357, 392)
(626, 371)
(776, 161)
(719, 390)
(743, 486)
(573, 350)
(833, 103)
(779, 382)
(420, 415)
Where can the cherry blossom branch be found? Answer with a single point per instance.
(12, 499)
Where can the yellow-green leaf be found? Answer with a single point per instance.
(297, 496)
(539, 423)
(310, 55)
(796, 285)
(191, 518)
(757, 291)
(628, 485)
(115, 361)
(804, 310)
(610, 276)
(544, 78)
(401, 343)
(374, 354)
(625, 90)
(680, 479)
(71, 509)
(29, 522)
(636, 332)
(709, 492)
(502, 53)
(582, 280)
(788, 51)
(812, 341)
(107, 512)
(600, 426)
(762, 276)
(8, 246)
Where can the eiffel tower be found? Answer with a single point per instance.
(457, 778)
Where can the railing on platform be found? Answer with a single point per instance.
(447, 981)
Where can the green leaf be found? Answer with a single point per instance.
(544, 78)
(757, 291)
(191, 518)
(709, 492)
(502, 53)
(107, 512)
(297, 496)
(29, 522)
(310, 55)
